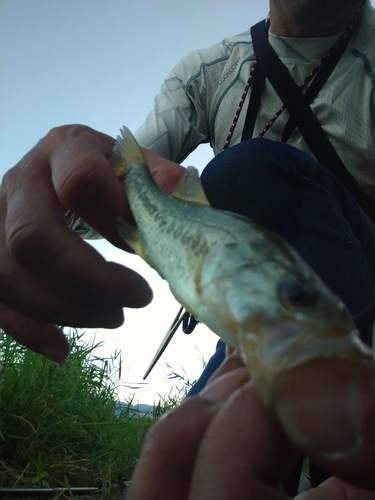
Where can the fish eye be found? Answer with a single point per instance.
(294, 294)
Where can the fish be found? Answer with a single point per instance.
(244, 282)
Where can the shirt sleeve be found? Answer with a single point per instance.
(179, 120)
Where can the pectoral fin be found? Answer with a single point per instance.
(189, 188)
(131, 237)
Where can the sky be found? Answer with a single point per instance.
(100, 63)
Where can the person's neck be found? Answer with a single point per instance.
(282, 23)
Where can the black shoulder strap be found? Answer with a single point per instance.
(323, 74)
(252, 109)
(303, 116)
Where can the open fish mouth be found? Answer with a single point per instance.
(278, 347)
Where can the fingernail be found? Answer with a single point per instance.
(320, 406)
(51, 353)
(224, 386)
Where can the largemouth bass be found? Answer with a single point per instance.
(244, 282)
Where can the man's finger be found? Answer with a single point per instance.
(327, 407)
(53, 299)
(42, 338)
(244, 454)
(335, 489)
(84, 181)
(166, 465)
(38, 238)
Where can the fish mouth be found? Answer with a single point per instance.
(293, 342)
(275, 348)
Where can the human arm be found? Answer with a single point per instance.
(223, 445)
(48, 275)
(184, 110)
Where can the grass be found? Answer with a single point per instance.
(62, 426)
(58, 426)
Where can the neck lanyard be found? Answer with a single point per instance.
(321, 71)
(269, 65)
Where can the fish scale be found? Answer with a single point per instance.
(244, 282)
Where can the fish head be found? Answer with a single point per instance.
(308, 322)
(280, 312)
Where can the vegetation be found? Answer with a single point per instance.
(62, 425)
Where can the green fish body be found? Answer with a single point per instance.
(241, 280)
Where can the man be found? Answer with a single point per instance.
(46, 273)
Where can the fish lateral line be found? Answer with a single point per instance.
(234, 275)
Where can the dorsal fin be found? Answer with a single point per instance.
(189, 188)
(126, 152)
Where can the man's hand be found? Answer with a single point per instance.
(48, 275)
(165, 173)
(223, 445)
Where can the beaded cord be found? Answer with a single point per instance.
(240, 105)
(348, 31)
